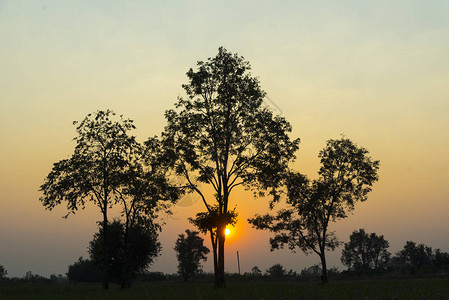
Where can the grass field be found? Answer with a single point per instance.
(436, 288)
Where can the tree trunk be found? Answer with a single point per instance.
(105, 283)
(220, 281)
(214, 251)
(324, 278)
(126, 283)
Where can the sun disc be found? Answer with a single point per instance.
(227, 231)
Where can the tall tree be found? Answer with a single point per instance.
(95, 171)
(221, 135)
(190, 250)
(365, 251)
(145, 193)
(345, 177)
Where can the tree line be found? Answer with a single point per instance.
(366, 254)
(218, 135)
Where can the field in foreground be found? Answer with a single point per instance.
(435, 288)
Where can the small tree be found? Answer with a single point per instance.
(95, 170)
(345, 177)
(190, 250)
(414, 257)
(142, 248)
(312, 271)
(3, 273)
(276, 270)
(256, 271)
(441, 259)
(365, 251)
(209, 222)
(84, 270)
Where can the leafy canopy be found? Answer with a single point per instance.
(345, 177)
(190, 250)
(95, 170)
(222, 135)
(365, 251)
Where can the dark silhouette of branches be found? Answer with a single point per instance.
(345, 177)
(221, 135)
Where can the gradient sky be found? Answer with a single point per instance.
(375, 71)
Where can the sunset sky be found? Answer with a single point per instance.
(374, 71)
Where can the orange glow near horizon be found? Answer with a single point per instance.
(227, 231)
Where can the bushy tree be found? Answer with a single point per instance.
(256, 271)
(312, 271)
(276, 270)
(3, 273)
(414, 257)
(190, 250)
(365, 252)
(143, 247)
(345, 177)
(221, 135)
(84, 270)
(441, 260)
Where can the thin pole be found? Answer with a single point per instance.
(238, 261)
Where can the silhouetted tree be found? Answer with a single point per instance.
(144, 194)
(190, 250)
(312, 271)
(222, 135)
(35, 278)
(209, 222)
(276, 270)
(3, 273)
(141, 250)
(84, 270)
(441, 260)
(345, 177)
(365, 251)
(256, 271)
(414, 256)
(95, 170)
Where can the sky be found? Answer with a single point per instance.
(375, 71)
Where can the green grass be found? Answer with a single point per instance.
(434, 288)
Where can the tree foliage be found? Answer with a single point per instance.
(365, 252)
(255, 271)
(190, 250)
(145, 193)
(109, 167)
(276, 270)
(84, 270)
(346, 176)
(415, 256)
(142, 249)
(221, 135)
(3, 272)
(95, 171)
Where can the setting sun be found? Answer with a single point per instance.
(227, 231)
